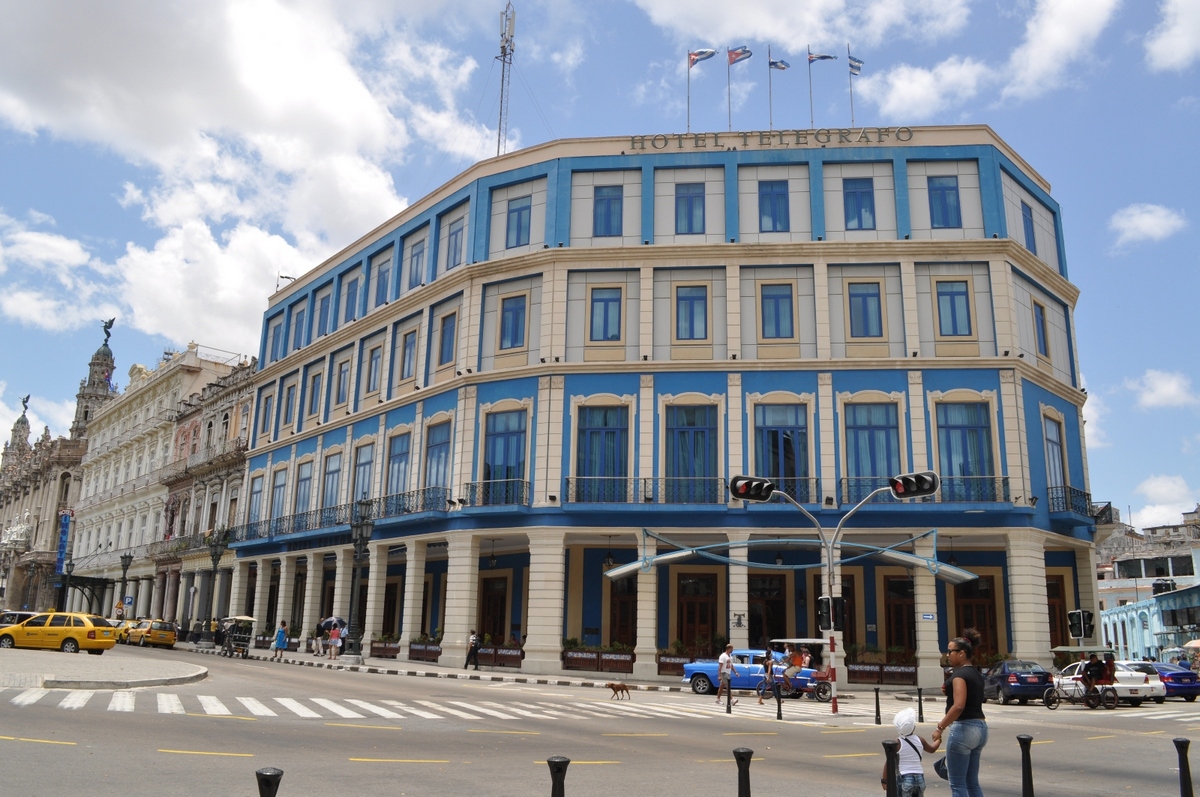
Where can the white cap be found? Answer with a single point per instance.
(906, 721)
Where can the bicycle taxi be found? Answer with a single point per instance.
(238, 631)
(1068, 684)
(812, 681)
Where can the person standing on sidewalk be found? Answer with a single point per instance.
(281, 641)
(335, 641)
(472, 650)
(725, 668)
(319, 639)
(964, 719)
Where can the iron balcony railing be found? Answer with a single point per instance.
(686, 490)
(602, 490)
(856, 488)
(428, 499)
(498, 492)
(802, 489)
(179, 545)
(1103, 514)
(954, 490)
(1069, 499)
(629, 490)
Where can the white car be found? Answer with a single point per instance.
(1134, 684)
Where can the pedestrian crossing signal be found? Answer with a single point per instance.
(751, 488)
(915, 485)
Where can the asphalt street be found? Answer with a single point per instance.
(375, 734)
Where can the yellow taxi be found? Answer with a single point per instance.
(69, 632)
(122, 629)
(152, 632)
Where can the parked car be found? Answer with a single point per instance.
(152, 632)
(1158, 690)
(748, 672)
(12, 618)
(69, 632)
(1016, 680)
(1179, 681)
(1132, 686)
(121, 628)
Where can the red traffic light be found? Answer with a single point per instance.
(915, 485)
(751, 488)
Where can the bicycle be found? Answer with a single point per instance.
(1099, 695)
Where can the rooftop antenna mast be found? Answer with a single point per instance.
(508, 24)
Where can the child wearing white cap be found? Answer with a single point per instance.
(912, 771)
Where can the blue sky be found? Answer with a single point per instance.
(163, 162)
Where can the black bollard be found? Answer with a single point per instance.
(268, 781)
(729, 696)
(878, 720)
(558, 774)
(778, 701)
(920, 707)
(743, 755)
(891, 752)
(1185, 769)
(1025, 740)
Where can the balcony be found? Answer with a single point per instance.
(685, 490)
(502, 492)
(856, 488)
(954, 490)
(428, 499)
(629, 490)
(1069, 499)
(602, 490)
(803, 490)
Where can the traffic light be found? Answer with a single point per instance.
(1075, 624)
(751, 488)
(824, 613)
(915, 485)
(839, 614)
(1089, 627)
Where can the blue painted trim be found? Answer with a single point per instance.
(816, 199)
(647, 203)
(558, 206)
(991, 196)
(732, 221)
(900, 192)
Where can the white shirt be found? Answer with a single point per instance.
(910, 761)
(724, 664)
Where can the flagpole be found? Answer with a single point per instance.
(850, 73)
(811, 118)
(688, 60)
(770, 95)
(729, 88)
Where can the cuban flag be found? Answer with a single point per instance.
(856, 64)
(818, 57)
(696, 56)
(780, 64)
(738, 54)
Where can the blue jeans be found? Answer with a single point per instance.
(964, 742)
(912, 786)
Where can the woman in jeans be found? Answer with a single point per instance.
(968, 732)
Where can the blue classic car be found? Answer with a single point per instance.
(748, 673)
(1180, 681)
(1016, 680)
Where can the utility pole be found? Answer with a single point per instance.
(508, 24)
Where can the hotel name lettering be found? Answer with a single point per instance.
(772, 138)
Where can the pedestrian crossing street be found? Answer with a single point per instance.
(644, 707)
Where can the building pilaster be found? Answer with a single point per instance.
(262, 596)
(929, 653)
(376, 583)
(287, 588)
(645, 663)
(543, 643)
(462, 597)
(314, 580)
(739, 595)
(1027, 599)
(414, 591)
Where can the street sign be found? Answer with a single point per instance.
(66, 513)
(128, 600)
(928, 617)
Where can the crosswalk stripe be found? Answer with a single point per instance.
(211, 705)
(416, 711)
(452, 711)
(29, 697)
(515, 710)
(296, 707)
(585, 708)
(383, 712)
(122, 701)
(337, 708)
(256, 707)
(76, 698)
(167, 704)
(483, 710)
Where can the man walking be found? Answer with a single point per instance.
(472, 650)
(725, 668)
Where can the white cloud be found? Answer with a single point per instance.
(1175, 43)
(1058, 36)
(915, 93)
(1159, 389)
(1145, 222)
(41, 413)
(1167, 498)
(1095, 414)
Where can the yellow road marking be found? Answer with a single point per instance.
(510, 733)
(717, 760)
(1151, 733)
(9, 738)
(379, 727)
(45, 741)
(573, 763)
(402, 760)
(1043, 741)
(636, 734)
(1100, 737)
(201, 752)
(223, 717)
(854, 730)
(852, 755)
(751, 733)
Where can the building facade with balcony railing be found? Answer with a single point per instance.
(565, 345)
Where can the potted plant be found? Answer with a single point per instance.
(671, 660)
(576, 656)
(385, 646)
(617, 657)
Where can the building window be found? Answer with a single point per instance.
(954, 308)
(454, 244)
(416, 265)
(1027, 223)
(858, 196)
(606, 314)
(314, 394)
(777, 312)
(374, 366)
(519, 211)
(866, 311)
(351, 300)
(607, 208)
(383, 279)
(343, 382)
(773, 206)
(512, 322)
(289, 401)
(781, 447)
(1055, 470)
(408, 355)
(323, 316)
(872, 447)
(398, 464)
(255, 509)
(691, 312)
(691, 454)
(602, 454)
(437, 455)
(364, 459)
(268, 408)
(276, 351)
(446, 340)
(944, 210)
(689, 209)
(504, 457)
(965, 452)
(303, 487)
(298, 329)
(278, 493)
(1039, 330)
(333, 480)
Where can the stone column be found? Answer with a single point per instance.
(186, 582)
(462, 597)
(645, 665)
(160, 594)
(283, 601)
(739, 591)
(414, 591)
(109, 600)
(376, 582)
(547, 590)
(171, 604)
(262, 594)
(929, 654)
(312, 591)
(145, 596)
(1088, 597)
(341, 583)
(237, 588)
(1027, 599)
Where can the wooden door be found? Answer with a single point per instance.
(900, 606)
(622, 611)
(1056, 603)
(493, 608)
(768, 609)
(697, 596)
(975, 607)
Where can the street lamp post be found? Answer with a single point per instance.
(126, 561)
(68, 568)
(361, 530)
(216, 549)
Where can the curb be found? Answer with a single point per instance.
(64, 683)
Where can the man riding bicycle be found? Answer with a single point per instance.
(1093, 673)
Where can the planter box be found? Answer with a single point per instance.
(293, 644)
(617, 662)
(423, 651)
(491, 656)
(900, 674)
(581, 660)
(864, 673)
(385, 650)
(262, 642)
(672, 665)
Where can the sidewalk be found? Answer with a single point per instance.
(52, 669)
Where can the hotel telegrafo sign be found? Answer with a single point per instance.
(764, 139)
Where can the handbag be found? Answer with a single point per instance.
(939, 767)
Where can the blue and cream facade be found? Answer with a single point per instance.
(567, 344)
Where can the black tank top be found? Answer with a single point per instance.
(973, 710)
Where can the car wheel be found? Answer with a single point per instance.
(1135, 701)
(1024, 701)
(701, 685)
(1159, 700)
(70, 646)
(824, 691)
(1050, 698)
(1190, 698)
(1003, 698)
(142, 641)
(6, 642)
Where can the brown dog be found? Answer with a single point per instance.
(618, 689)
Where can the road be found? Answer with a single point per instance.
(378, 734)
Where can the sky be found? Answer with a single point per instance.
(165, 163)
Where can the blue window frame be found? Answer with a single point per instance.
(954, 308)
(332, 486)
(866, 312)
(343, 383)
(276, 345)
(519, 211)
(254, 513)
(298, 330)
(408, 355)
(303, 487)
(314, 394)
(446, 340)
(602, 455)
(416, 264)
(944, 210)
(351, 300)
(781, 447)
(454, 244)
(777, 312)
(512, 322)
(691, 312)
(858, 197)
(437, 455)
(773, 206)
(268, 409)
(323, 315)
(872, 447)
(965, 452)
(1055, 475)
(398, 448)
(383, 281)
(689, 209)
(1039, 330)
(692, 455)
(289, 401)
(374, 367)
(607, 208)
(1030, 232)
(278, 493)
(504, 458)
(364, 468)
(606, 314)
